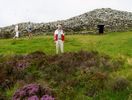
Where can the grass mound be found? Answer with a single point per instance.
(71, 76)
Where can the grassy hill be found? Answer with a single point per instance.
(94, 67)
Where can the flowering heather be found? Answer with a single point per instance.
(47, 97)
(22, 64)
(32, 92)
(33, 98)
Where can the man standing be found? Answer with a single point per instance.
(29, 29)
(59, 39)
(17, 32)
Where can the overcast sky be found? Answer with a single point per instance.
(17, 11)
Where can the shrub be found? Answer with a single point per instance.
(130, 97)
(2, 97)
(33, 92)
(120, 84)
(68, 71)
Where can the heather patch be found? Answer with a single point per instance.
(66, 74)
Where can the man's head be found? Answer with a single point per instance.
(59, 27)
(29, 23)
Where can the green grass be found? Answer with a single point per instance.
(113, 44)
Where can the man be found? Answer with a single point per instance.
(29, 29)
(59, 39)
(17, 32)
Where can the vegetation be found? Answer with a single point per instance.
(94, 67)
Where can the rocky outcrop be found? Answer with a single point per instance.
(113, 20)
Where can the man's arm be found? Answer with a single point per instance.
(55, 36)
(63, 36)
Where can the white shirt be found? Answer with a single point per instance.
(59, 33)
(16, 28)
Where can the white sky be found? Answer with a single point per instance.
(16, 11)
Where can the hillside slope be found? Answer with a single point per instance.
(114, 20)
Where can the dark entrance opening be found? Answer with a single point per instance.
(101, 29)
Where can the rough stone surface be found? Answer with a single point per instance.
(114, 21)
